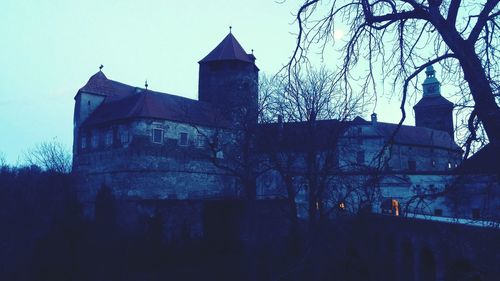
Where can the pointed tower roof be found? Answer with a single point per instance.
(228, 49)
(98, 83)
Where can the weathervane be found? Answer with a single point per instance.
(100, 67)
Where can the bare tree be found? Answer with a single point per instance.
(398, 39)
(50, 156)
(3, 161)
(304, 144)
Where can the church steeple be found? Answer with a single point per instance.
(433, 110)
(431, 85)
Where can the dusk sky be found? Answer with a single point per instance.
(50, 48)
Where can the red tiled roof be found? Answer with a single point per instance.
(228, 49)
(125, 102)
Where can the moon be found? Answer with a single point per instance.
(338, 34)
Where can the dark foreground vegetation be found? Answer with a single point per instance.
(45, 237)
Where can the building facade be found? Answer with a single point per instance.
(147, 145)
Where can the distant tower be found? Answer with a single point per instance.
(228, 79)
(433, 110)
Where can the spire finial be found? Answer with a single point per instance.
(146, 84)
(252, 51)
(101, 67)
(230, 29)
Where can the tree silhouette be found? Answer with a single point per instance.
(400, 38)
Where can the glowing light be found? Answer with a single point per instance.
(342, 205)
(338, 34)
(395, 207)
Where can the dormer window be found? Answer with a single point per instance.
(183, 139)
(157, 134)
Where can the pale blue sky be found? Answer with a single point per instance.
(49, 49)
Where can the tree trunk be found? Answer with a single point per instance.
(294, 221)
(486, 107)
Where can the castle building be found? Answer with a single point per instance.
(147, 145)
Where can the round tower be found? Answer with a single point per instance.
(433, 110)
(228, 79)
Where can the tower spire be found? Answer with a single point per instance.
(431, 85)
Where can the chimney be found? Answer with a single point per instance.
(374, 119)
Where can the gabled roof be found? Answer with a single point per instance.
(228, 49)
(127, 102)
(435, 100)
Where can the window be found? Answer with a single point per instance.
(433, 163)
(108, 141)
(124, 136)
(395, 207)
(157, 133)
(95, 140)
(360, 157)
(342, 205)
(412, 165)
(476, 213)
(219, 154)
(200, 140)
(83, 142)
(449, 165)
(183, 139)
(438, 212)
